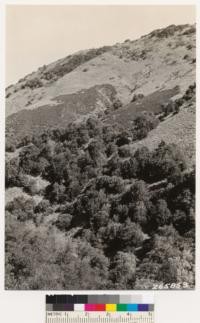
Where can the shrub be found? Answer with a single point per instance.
(42, 206)
(143, 124)
(29, 160)
(190, 92)
(160, 213)
(189, 46)
(10, 147)
(128, 168)
(191, 30)
(167, 162)
(123, 270)
(130, 235)
(112, 185)
(99, 220)
(64, 221)
(168, 108)
(12, 177)
(7, 95)
(123, 138)
(22, 208)
(137, 97)
(33, 83)
(117, 104)
(111, 149)
(56, 193)
(124, 151)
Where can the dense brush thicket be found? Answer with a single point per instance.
(124, 218)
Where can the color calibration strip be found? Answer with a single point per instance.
(97, 303)
(99, 309)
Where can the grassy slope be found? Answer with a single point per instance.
(67, 108)
(152, 65)
(151, 103)
(179, 129)
(145, 65)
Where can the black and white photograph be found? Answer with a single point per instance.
(100, 105)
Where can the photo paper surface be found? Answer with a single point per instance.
(100, 148)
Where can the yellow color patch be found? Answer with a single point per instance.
(111, 307)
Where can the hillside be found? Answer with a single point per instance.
(158, 66)
(100, 168)
(179, 129)
(157, 61)
(67, 108)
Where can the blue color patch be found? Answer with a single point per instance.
(132, 307)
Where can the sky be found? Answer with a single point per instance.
(40, 34)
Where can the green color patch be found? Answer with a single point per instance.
(121, 307)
